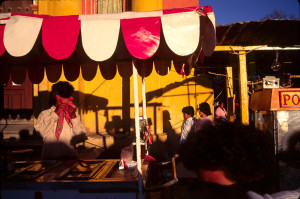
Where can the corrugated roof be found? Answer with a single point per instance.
(271, 32)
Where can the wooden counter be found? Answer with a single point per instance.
(72, 177)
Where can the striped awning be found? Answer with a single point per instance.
(31, 43)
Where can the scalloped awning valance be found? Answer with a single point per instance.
(30, 43)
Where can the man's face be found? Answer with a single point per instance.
(186, 116)
(202, 114)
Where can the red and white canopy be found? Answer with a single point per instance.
(30, 43)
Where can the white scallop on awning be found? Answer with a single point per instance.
(20, 34)
(102, 45)
(107, 40)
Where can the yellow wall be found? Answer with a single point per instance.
(59, 7)
(144, 5)
(176, 92)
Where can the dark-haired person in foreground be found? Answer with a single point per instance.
(233, 162)
(60, 125)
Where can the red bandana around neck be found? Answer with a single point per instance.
(63, 114)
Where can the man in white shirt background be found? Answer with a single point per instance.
(188, 124)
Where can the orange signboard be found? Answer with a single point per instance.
(289, 98)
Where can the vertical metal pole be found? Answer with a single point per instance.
(137, 132)
(144, 103)
(243, 88)
(144, 94)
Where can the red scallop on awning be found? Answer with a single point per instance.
(142, 36)
(2, 48)
(60, 35)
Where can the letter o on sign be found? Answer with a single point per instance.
(296, 99)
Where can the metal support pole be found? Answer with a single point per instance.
(144, 94)
(137, 132)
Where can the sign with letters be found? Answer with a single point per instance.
(289, 98)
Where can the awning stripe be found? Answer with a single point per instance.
(20, 34)
(2, 48)
(60, 35)
(182, 32)
(100, 38)
(142, 36)
(209, 36)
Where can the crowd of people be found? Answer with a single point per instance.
(230, 160)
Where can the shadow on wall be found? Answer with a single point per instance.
(118, 124)
(16, 114)
(172, 137)
(91, 103)
(159, 92)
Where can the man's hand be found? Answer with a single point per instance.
(60, 107)
(72, 109)
(63, 104)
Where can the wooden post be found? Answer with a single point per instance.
(35, 95)
(230, 95)
(244, 101)
(137, 132)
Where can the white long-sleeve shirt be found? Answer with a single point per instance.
(187, 127)
(290, 194)
(203, 122)
(221, 113)
(62, 148)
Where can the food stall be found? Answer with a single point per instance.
(78, 179)
(277, 111)
(130, 43)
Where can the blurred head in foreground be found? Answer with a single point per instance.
(229, 154)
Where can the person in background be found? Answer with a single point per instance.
(233, 162)
(60, 126)
(188, 124)
(221, 113)
(204, 119)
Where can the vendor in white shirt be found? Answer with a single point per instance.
(188, 124)
(60, 125)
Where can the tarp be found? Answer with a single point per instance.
(30, 43)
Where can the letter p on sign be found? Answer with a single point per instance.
(289, 98)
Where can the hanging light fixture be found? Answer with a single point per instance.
(276, 65)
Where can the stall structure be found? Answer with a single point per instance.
(277, 111)
(130, 43)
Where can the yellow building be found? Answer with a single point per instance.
(166, 95)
